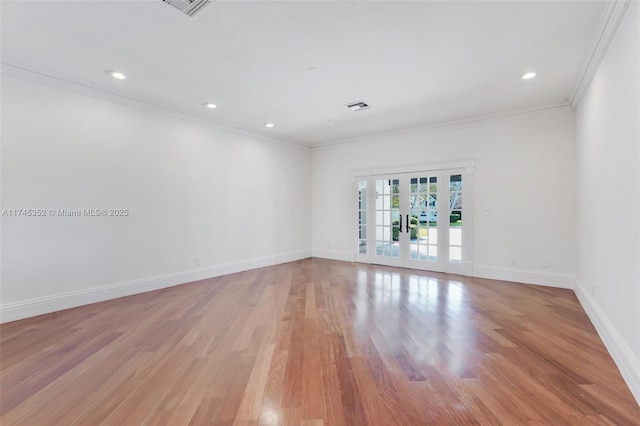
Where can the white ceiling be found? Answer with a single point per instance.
(416, 63)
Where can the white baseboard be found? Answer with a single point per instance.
(346, 256)
(58, 302)
(625, 359)
(525, 276)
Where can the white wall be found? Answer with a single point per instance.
(608, 139)
(524, 205)
(233, 200)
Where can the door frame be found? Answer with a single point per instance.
(465, 168)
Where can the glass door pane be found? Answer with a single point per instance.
(362, 217)
(455, 218)
(424, 218)
(423, 208)
(387, 218)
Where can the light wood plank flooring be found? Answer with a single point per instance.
(316, 342)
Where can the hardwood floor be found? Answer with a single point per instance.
(316, 342)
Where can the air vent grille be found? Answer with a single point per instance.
(358, 106)
(189, 7)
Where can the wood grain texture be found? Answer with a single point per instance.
(312, 343)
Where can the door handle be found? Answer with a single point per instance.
(407, 223)
(400, 223)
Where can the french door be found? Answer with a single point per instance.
(413, 220)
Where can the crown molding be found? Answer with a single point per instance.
(607, 27)
(447, 125)
(61, 83)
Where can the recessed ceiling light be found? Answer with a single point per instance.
(210, 105)
(528, 75)
(116, 74)
(269, 125)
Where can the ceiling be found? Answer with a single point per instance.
(298, 63)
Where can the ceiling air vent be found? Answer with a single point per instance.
(189, 7)
(358, 106)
